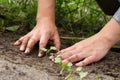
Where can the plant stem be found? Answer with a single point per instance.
(48, 52)
(62, 70)
(68, 76)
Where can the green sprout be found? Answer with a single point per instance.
(53, 48)
(58, 60)
(78, 69)
(81, 74)
(65, 66)
(69, 69)
(44, 49)
(47, 51)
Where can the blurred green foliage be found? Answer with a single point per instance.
(18, 12)
(77, 16)
(80, 16)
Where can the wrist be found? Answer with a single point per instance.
(111, 32)
(45, 20)
(46, 10)
(108, 40)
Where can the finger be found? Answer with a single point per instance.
(86, 61)
(67, 50)
(18, 42)
(74, 58)
(43, 42)
(67, 55)
(57, 42)
(24, 44)
(51, 58)
(32, 41)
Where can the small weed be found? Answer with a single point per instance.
(47, 51)
(65, 66)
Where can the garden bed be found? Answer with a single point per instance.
(16, 66)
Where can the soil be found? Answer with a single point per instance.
(14, 65)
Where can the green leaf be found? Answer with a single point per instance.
(57, 60)
(79, 69)
(22, 14)
(12, 28)
(53, 48)
(44, 49)
(64, 65)
(83, 74)
(69, 65)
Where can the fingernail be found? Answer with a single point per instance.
(51, 57)
(21, 48)
(16, 43)
(39, 55)
(27, 51)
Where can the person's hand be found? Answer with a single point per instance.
(42, 32)
(94, 48)
(87, 51)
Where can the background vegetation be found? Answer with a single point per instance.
(77, 16)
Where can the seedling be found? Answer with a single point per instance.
(65, 66)
(47, 51)
(81, 74)
(44, 49)
(69, 69)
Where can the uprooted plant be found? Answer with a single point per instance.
(65, 66)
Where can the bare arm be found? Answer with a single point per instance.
(46, 10)
(111, 31)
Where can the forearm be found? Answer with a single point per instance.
(46, 10)
(111, 31)
(112, 28)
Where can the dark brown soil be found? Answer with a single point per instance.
(14, 65)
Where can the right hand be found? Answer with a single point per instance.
(44, 30)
